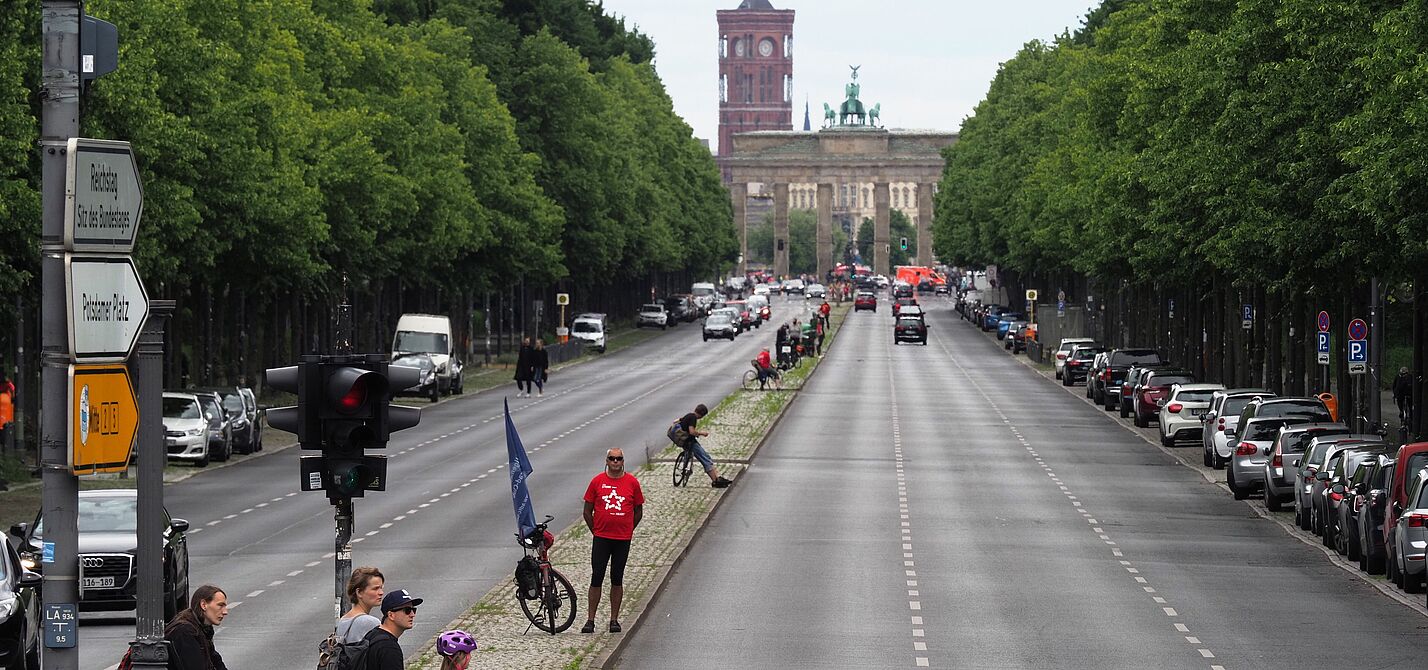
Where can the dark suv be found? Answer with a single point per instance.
(1108, 386)
(1078, 363)
(108, 535)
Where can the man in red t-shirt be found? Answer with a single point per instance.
(614, 504)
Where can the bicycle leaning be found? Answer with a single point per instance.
(753, 380)
(542, 591)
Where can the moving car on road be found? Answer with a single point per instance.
(910, 329)
(865, 300)
(720, 326)
(108, 537)
(590, 328)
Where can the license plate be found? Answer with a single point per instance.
(97, 582)
(1197, 412)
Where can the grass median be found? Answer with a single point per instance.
(672, 516)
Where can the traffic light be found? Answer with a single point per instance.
(904, 244)
(343, 409)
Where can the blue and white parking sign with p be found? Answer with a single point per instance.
(1323, 343)
(1358, 351)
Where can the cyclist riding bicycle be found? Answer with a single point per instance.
(684, 434)
(764, 363)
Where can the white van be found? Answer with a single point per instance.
(430, 334)
(704, 294)
(590, 329)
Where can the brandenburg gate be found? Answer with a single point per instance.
(850, 148)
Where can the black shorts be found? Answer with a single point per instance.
(615, 553)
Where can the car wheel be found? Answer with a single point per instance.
(1351, 549)
(1058, 374)
(1219, 462)
(1374, 563)
(664, 326)
(222, 455)
(1140, 421)
(1205, 454)
(202, 462)
(706, 338)
(1391, 565)
(1412, 583)
(1123, 411)
(1166, 441)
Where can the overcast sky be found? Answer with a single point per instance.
(928, 62)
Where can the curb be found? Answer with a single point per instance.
(1333, 556)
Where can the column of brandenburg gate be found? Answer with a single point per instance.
(849, 149)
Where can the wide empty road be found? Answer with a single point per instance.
(945, 506)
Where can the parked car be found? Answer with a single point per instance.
(19, 612)
(220, 423)
(1370, 497)
(720, 326)
(865, 300)
(186, 428)
(1280, 470)
(680, 308)
(1410, 536)
(1152, 392)
(428, 385)
(1118, 361)
(255, 414)
(1253, 440)
(1063, 349)
(431, 334)
(910, 329)
(989, 316)
(1128, 385)
(1077, 364)
(1409, 460)
(653, 314)
(1095, 387)
(1224, 414)
(1009, 341)
(1309, 408)
(245, 431)
(591, 329)
(1180, 417)
(1314, 462)
(1005, 320)
(108, 519)
(1341, 529)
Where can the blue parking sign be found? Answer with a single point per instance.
(1323, 343)
(1358, 351)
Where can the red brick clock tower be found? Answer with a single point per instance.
(755, 70)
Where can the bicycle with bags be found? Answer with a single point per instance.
(752, 381)
(546, 597)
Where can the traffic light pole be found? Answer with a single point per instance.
(59, 121)
(343, 512)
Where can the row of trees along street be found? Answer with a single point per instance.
(434, 156)
(1215, 153)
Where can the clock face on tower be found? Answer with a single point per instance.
(766, 47)
(738, 47)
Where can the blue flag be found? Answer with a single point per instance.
(520, 470)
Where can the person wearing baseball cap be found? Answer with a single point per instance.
(398, 616)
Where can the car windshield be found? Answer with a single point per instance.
(1416, 461)
(1261, 431)
(909, 322)
(233, 402)
(180, 408)
(1084, 354)
(718, 319)
(1316, 455)
(1296, 442)
(702, 290)
(104, 514)
(1167, 380)
(1379, 479)
(1233, 406)
(1194, 396)
(652, 308)
(210, 405)
(587, 327)
(428, 343)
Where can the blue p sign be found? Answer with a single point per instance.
(1323, 343)
(1358, 351)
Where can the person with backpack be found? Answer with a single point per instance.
(190, 632)
(365, 591)
(684, 434)
(398, 616)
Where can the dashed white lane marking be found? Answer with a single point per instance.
(312, 564)
(1095, 528)
(918, 631)
(294, 573)
(254, 594)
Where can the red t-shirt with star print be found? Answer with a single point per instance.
(614, 500)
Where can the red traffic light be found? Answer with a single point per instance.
(349, 389)
(355, 397)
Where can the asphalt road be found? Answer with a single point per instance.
(945, 506)
(444, 528)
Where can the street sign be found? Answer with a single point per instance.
(61, 625)
(1323, 322)
(104, 199)
(562, 298)
(106, 306)
(1247, 317)
(1031, 294)
(1172, 308)
(1358, 330)
(1061, 306)
(103, 418)
(1323, 348)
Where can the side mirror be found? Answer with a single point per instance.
(178, 525)
(1231, 432)
(30, 580)
(19, 530)
(1337, 488)
(1322, 476)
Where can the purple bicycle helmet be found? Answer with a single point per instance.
(455, 641)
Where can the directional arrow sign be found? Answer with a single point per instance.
(106, 305)
(104, 199)
(103, 418)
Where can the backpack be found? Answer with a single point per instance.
(528, 578)
(677, 434)
(334, 655)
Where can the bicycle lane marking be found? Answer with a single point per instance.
(1093, 524)
(914, 592)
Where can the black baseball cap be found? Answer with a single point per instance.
(398, 599)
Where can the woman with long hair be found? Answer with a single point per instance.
(365, 589)
(190, 632)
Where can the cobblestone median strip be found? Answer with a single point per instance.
(672, 518)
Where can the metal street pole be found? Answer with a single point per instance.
(59, 121)
(343, 513)
(150, 650)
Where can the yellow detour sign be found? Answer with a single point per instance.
(103, 418)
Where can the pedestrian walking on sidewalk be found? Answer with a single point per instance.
(365, 590)
(190, 632)
(523, 368)
(398, 616)
(1403, 395)
(540, 366)
(614, 505)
